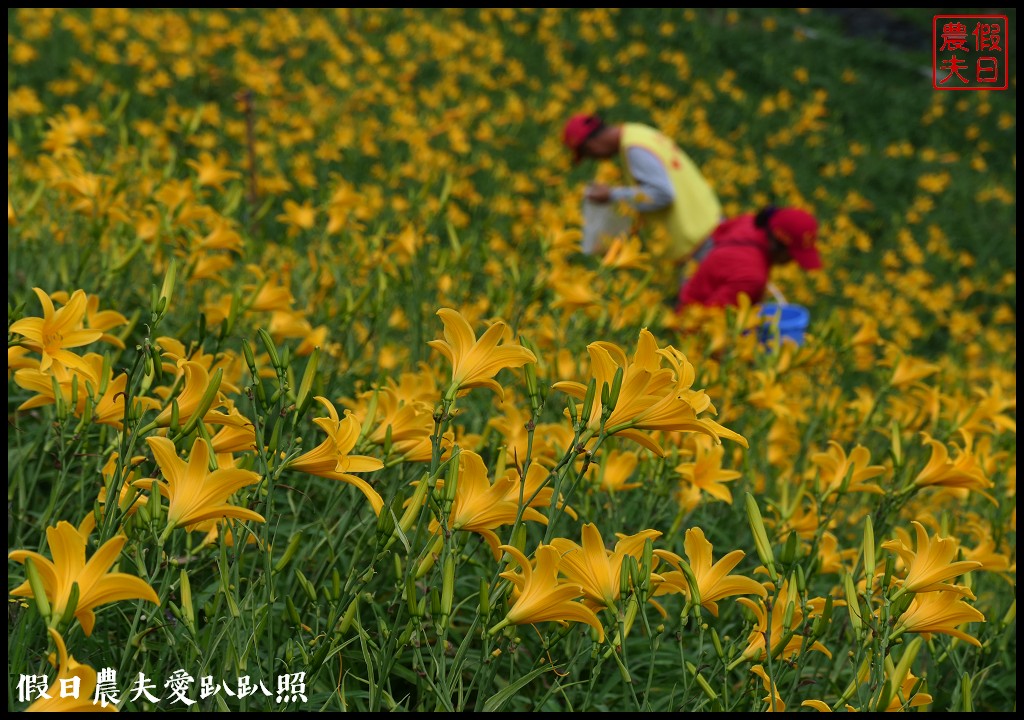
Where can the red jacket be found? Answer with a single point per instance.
(739, 261)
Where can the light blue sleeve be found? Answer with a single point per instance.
(653, 189)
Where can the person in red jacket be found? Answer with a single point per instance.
(743, 251)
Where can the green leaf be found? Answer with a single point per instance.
(497, 701)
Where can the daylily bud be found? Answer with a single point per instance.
(349, 616)
(625, 572)
(71, 606)
(588, 401)
(154, 507)
(275, 438)
(306, 585)
(822, 622)
(386, 523)
(852, 604)
(167, 289)
(59, 403)
(451, 481)
(789, 550)
(174, 426)
(447, 587)
(532, 388)
(268, 343)
(897, 448)
(293, 547)
(869, 553)
(646, 563)
(704, 685)
(35, 581)
(787, 617)
(411, 600)
(412, 510)
(966, 693)
(573, 414)
(613, 396)
(305, 394)
(717, 642)
(764, 548)
(250, 360)
(694, 599)
(428, 562)
(890, 568)
(156, 370)
(186, 601)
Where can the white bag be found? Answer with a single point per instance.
(602, 224)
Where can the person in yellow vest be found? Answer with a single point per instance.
(667, 188)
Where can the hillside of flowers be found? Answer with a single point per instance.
(315, 404)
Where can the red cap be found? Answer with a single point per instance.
(578, 130)
(798, 231)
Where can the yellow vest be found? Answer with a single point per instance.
(696, 211)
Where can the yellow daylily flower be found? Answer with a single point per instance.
(819, 705)
(211, 171)
(509, 421)
(651, 397)
(774, 700)
(480, 507)
(905, 697)
(237, 436)
(107, 409)
(18, 359)
(175, 354)
(541, 597)
(96, 319)
(298, 217)
(595, 568)
(476, 362)
(197, 388)
(406, 424)
(331, 458)
(624, 253)
(910, 370)
(932, 565)
(67, 670)
(986, 413)
(833, 559)
(834, 467)
(534, 489)
(713, 579)
(96, 585)
(129, 499)
(615, 469)
(193, 492)
(963, 473)
(791, 642)
(706, 473)
(941, 612)
(57, 330)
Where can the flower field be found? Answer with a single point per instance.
(314, 403)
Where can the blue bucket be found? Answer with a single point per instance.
(792, 322)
